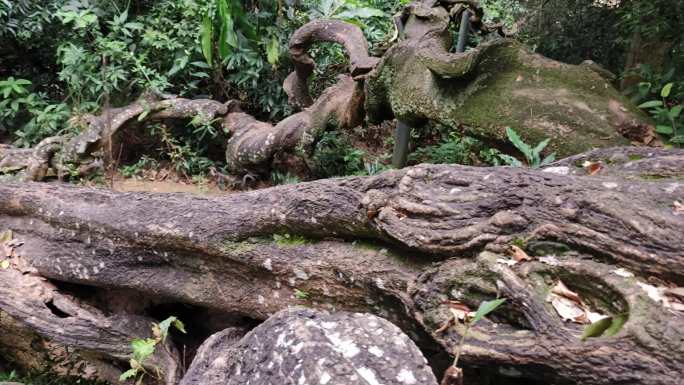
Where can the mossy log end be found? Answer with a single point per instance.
(398, 245)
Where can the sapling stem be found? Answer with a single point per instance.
(460, 345)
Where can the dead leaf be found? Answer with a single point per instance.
(507, 262)
(6, 236)
(457, 305)
(592, 168)
(563, 291)
(445, 325)
(452, 376)
(568, 309)
(518, 254)
(594, 317)
(651, 291)
(678, 208)
(519, 78)
(623, 273)
(570, 306)
(459, 312)
(550, 260)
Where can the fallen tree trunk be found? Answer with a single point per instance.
(400, 245)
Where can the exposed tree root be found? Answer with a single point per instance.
(398, 245)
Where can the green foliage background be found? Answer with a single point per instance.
(80, 55)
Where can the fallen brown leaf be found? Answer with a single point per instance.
(563, 291)
(593, 168)
(570, 306)
(678, 207)
(453, 376)
(457, 305)
(446, 325)
(518, 254)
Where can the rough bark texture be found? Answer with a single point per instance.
(307, 347)
(254, 144)
(397, 245)
(66, 322)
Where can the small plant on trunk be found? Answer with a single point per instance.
(454, 375)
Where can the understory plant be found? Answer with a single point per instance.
(454, 374)
(532, 154)
(457, 149)
(32, 112)
(667, 114)
(144, 348)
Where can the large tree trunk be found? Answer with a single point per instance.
(400, 245)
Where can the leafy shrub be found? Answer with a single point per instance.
(144, 348)
(667, 115)
(532, 154)
(30, 111)
(456, 149)
(334, 155)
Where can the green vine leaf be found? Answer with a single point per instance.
(486, 308)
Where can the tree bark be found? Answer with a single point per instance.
(400, 245)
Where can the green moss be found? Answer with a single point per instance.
(243, 246)
(289, 240)
(519, 242)
(635, 157)
(542, 248)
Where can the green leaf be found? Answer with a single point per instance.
(548, 160)
(616, 325)
(143, 115)
(207, 37)
(665, 92)
(486, 308)
(511, 161)
(6, 236)
(142, 349)
(273, 52)
(227, 34)
(597, 328)
(178, 324)
(665, 130)
(127, 375)
(519, 144)
(227, 38)
(360, 13)
(541, 146)
(675, 111)
(651, 104)
(165, 325)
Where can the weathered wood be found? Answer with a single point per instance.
(64, 321)
(399, 245)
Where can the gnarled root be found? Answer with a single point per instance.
(253, 143)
